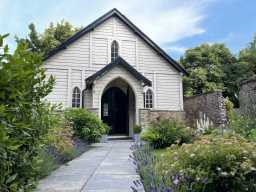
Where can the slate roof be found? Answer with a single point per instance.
(136, 30)
(118, 62)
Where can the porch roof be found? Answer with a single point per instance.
(118, 62)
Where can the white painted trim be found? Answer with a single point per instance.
(69, 97)
(66, 67)
(153, 95)
(81, 91)
(83, 87)
(136, 54)
(119, 47)
(181, 94)
(109, 50)
(155, 90)
(101, 91)
(90, 49)
(83, 80)
(114, 28)
(119, 43)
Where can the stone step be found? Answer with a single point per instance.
(119, 137)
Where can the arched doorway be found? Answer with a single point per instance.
(118, 107)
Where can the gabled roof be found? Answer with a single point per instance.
(136, 30)
(118, 62)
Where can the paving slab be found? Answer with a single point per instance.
(106, 167)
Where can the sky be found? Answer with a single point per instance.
(175, 25)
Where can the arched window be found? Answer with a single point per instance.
(76, 95)
(114, 50)
(148, 99)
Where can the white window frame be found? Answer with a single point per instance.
(116, 50)
(147, 104)
(80, 97)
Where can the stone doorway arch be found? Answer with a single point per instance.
(118, 107)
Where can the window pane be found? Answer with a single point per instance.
(148, 99)
(114, 50)
(76, 97)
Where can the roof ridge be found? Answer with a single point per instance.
(133, 27)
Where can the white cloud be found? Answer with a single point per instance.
(177, 49)
(166, 21)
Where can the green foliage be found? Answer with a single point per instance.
(86, 125)
(247, 56)
(24, 117)
(137, 129)
(243, 125)
(46, 164)
(230, 109)
(212, 68)
(166, 132)
(60, 137)
(53, 35)
(234, 73)
(212, 163)
(204, 64)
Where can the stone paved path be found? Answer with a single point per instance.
(104, 168)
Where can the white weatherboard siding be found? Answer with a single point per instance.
(76, 78)
(168, 92)
(60, 89)
(99, 52)
(75, 56)
(128, 51)
(91, 52)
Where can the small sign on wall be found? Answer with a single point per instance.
(105, 109)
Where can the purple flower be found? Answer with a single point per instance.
(176, 181)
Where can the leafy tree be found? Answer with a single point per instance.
(205, 66)
(234, 73)
(212, 68)
(247, 56)
(53, 35)
(24, 117)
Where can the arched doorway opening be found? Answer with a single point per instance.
(118, 107)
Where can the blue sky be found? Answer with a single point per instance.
(175, 25)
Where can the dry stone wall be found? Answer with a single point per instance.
(211, 104)
(247, 97)
(148, 115)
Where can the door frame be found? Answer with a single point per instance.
(102, 87)
(114, 97)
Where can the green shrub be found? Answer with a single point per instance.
(86, 125)
(60, 136)
(230, 109)
(24, 117)
(243, 125)
(212, 163)
(164, 133)
(137, 129)
(46, 165)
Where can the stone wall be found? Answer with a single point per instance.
(212, 105)
(148, 115)
(247, 97)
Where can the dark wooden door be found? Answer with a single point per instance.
(114, 110)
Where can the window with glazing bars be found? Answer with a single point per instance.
(114, 50)
(76, 95)
(148, 99)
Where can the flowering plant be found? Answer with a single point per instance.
(211, 163)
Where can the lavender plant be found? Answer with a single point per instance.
(145, 160)
(210, 164)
